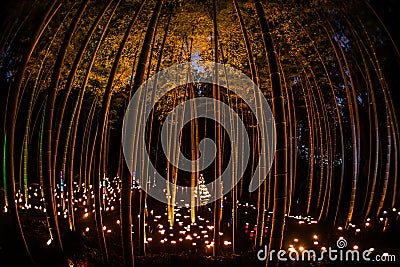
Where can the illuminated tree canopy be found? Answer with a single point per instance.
(68, 69)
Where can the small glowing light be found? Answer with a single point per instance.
(358, 230)
(355, 247)
(385, 212)
(315, 237)
(323, 248)
(301, 248)
(194, 244)
(340, 228)
(394, 210)
(381, 219)
(367, 224)
(104, 228)
(296, 240)
(227, 243)
(109, 231)
(87, 229)
(173, 242)
(118, 221)
(49, 241)
(315, 242)
(149, 239)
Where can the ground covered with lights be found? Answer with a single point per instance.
(198, 132)
(187, 243)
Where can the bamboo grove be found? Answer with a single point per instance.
(69, 68)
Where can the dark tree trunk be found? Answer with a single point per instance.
(280, 163)
(217, 135)
(9, 161)
(143, 63)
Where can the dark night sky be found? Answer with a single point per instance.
(389, 12)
